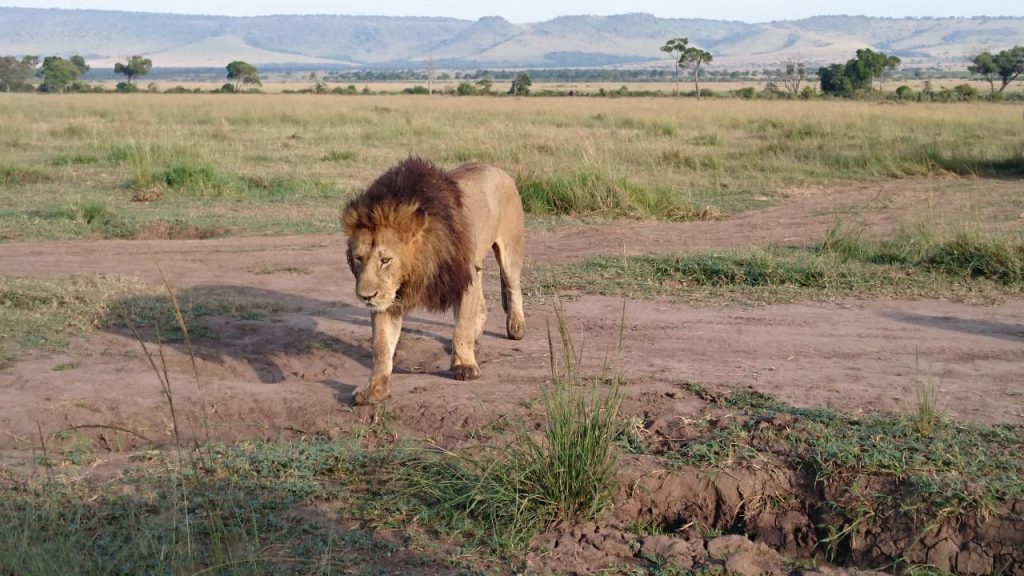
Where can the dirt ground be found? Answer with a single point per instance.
(295, 375)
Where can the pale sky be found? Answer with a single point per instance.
(536, 10)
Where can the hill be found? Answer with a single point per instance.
(567, 41)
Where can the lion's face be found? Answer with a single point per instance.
(378, 262)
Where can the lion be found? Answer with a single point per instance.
(417, 238)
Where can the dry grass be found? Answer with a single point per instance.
(269, 164)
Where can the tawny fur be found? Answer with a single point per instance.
(417, 237)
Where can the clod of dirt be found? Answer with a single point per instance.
(677, 551)
(748, 558)
(581, 549)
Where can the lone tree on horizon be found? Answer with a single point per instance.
(521, 85)
(676, 47)
(136, 66)
(795, 74)
(243, 73)
(1007, 65)
(695, 57)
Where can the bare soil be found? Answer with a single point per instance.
(294, 374)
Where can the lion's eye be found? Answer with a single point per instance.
(384, 261)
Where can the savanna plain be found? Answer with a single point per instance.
(763, 337)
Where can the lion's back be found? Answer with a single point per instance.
(491, 202)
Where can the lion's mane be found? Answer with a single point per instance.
(441, 269)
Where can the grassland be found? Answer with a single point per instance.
(919, 262)
(196, 166)
(192, 166)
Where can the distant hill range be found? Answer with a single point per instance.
(170, 40)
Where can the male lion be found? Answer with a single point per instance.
(417, 237)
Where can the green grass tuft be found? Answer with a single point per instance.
(954, 469)
(200, 179)
(567, 474)
(912, 264)
(250, 509)
(16, 175)
(44, 314)
(594, 194)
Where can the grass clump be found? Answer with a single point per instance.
(43, 314)
(911, 264)
(249, 509)
(202, 179)
(565, 474)
(588, 193)
(952, 470)
(16, 175)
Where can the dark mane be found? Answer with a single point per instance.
(444, 269)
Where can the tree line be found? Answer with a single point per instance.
(58, 74)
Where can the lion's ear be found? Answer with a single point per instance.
(412, 220)
(349, 220)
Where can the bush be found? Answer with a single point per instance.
(416, 90)
(905, 93)
(466, 89)
(126, 88)
(965, 92)
(747, 93)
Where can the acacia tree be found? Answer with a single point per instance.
(863, 69)
(58, 73)
(676, 47)
(984, 65)
(244, 73)
(834, 80)
(14, 73)
(695, 57)
(891, 63)
(796, 72)
(484, 85)
(136, 66)
(521, 85)
(1007, 65)
(857, 74)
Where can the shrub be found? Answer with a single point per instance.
(905, 93)
(747, 93)
(466, 89)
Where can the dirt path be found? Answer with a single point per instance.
(295, 374)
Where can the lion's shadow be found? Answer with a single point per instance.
(271, 331)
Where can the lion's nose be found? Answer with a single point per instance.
(370, 297)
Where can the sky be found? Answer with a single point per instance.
(537, 10)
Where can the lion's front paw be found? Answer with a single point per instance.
(466, 372)
(372, 393)
(515, 328)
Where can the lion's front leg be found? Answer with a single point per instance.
(387, 328)
(470, 315)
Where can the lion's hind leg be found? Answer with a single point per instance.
(509, 254)
(470, 315)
